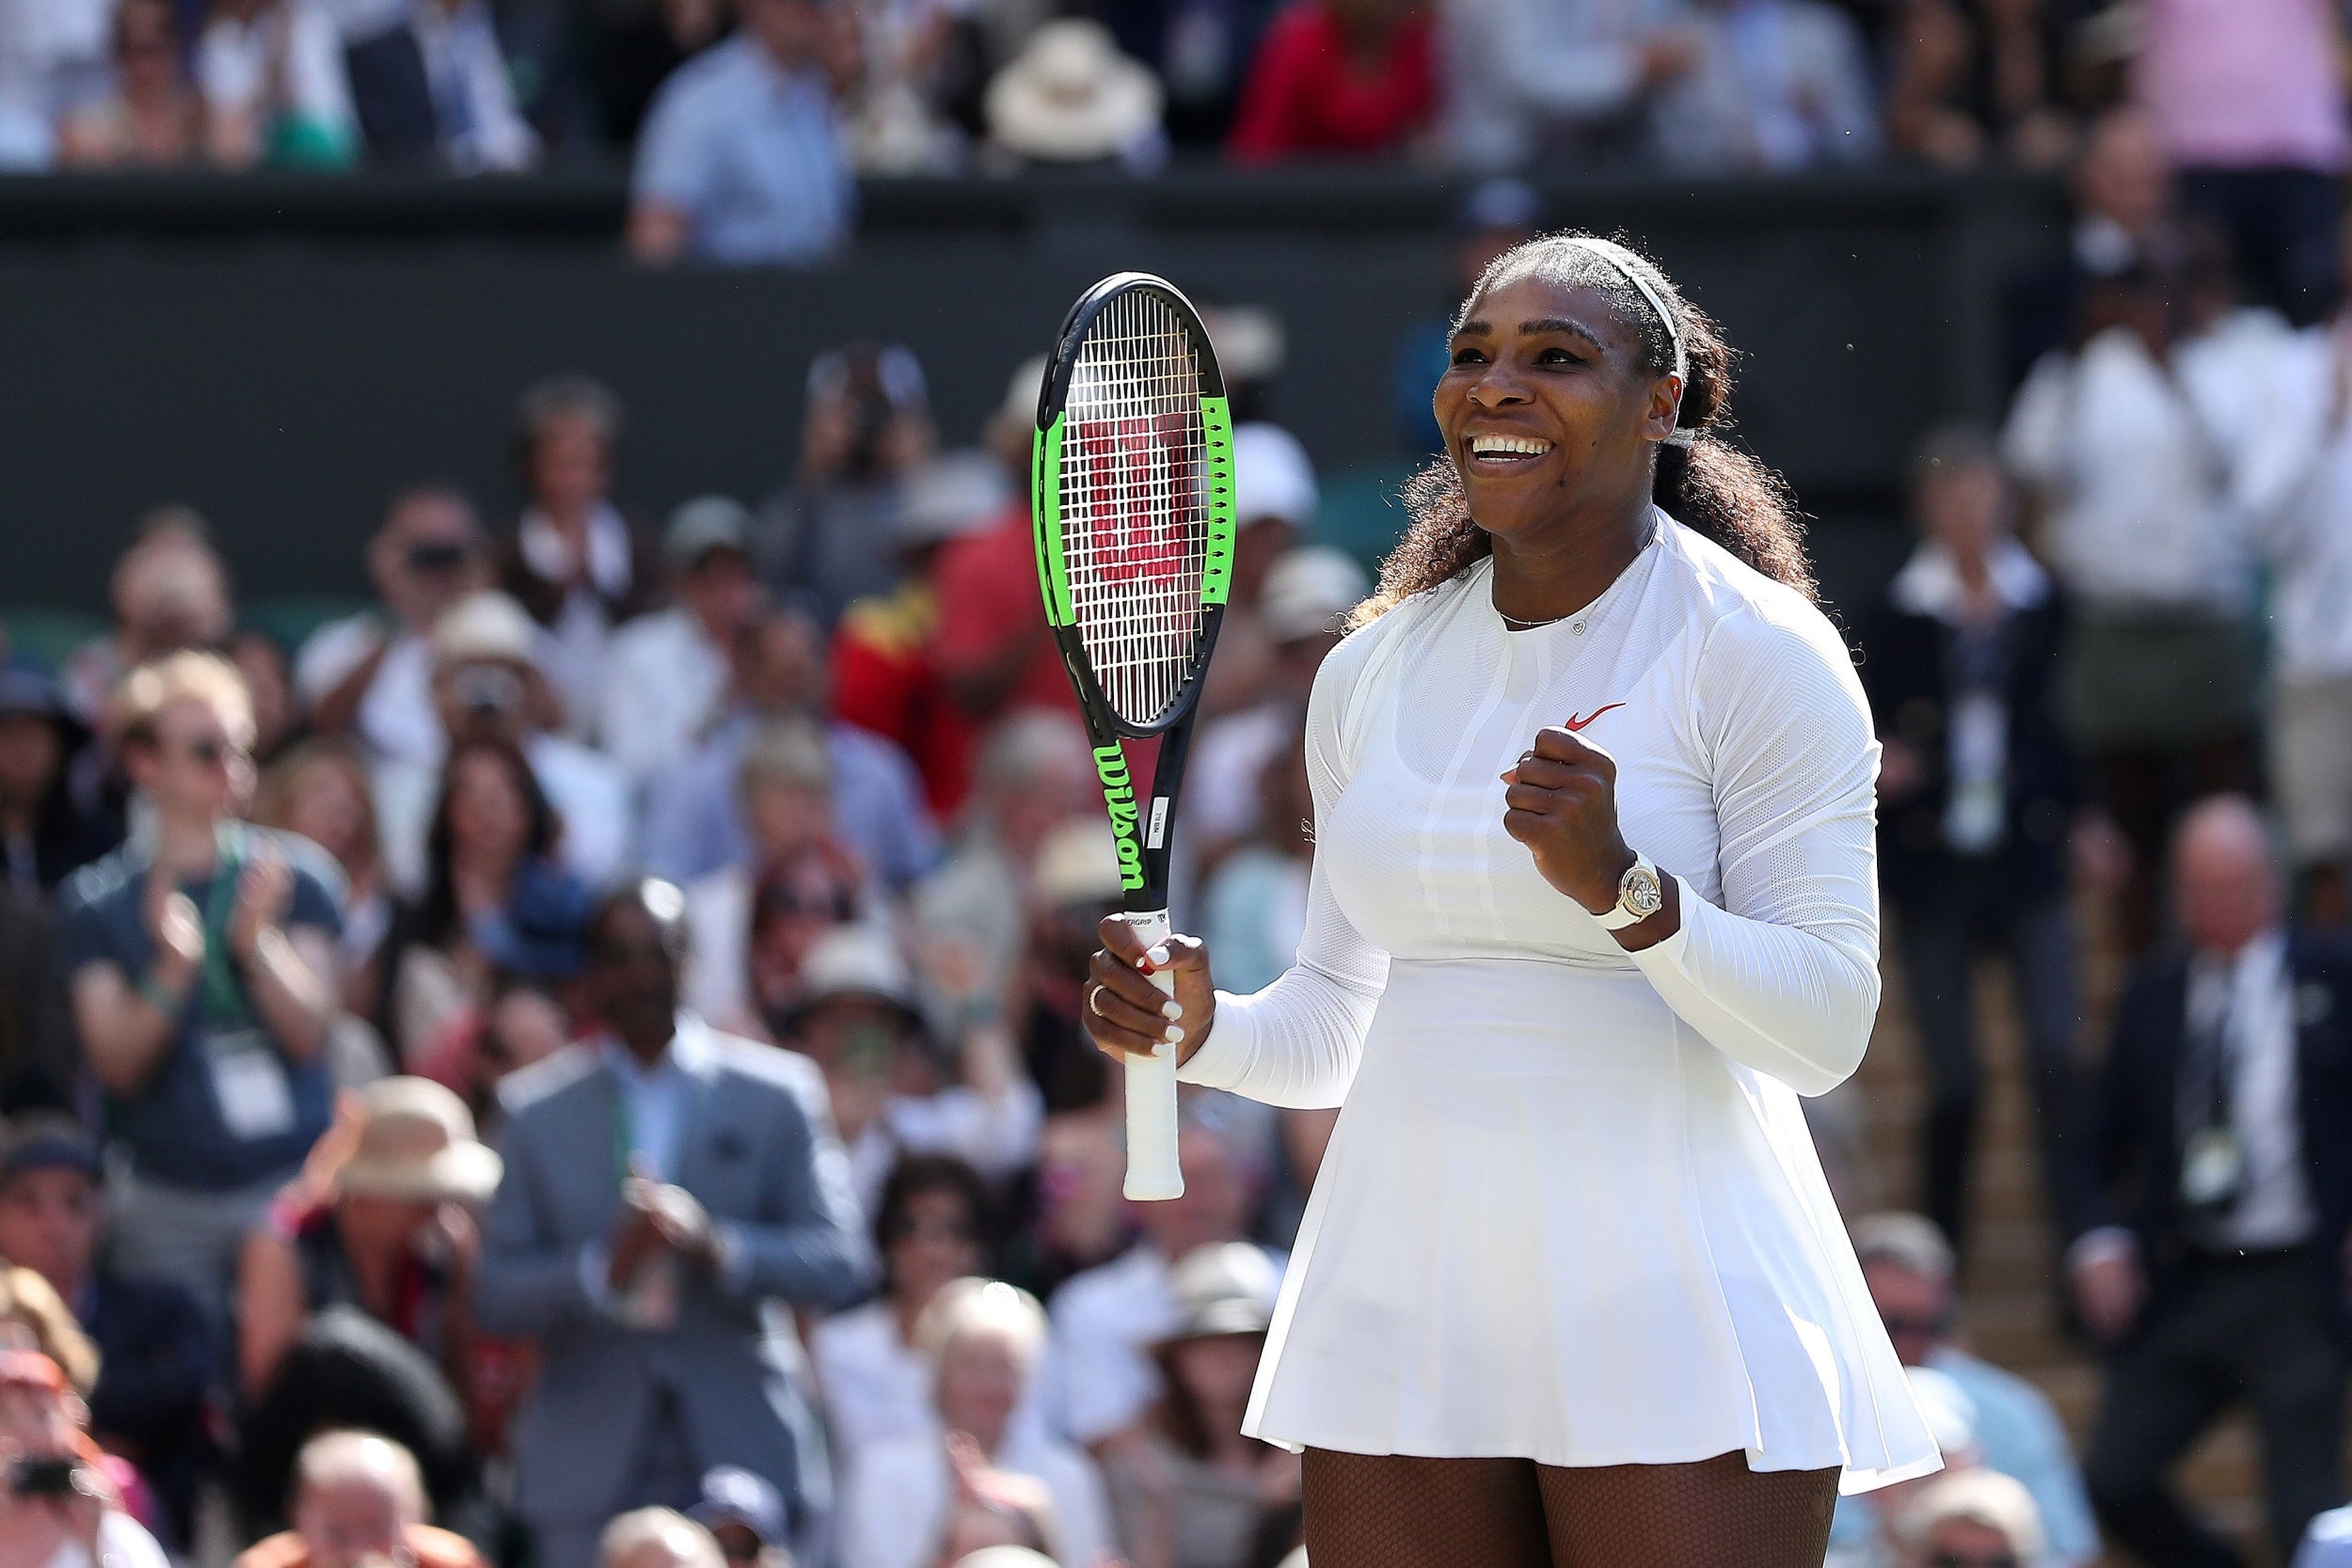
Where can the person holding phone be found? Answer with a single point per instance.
(56, 1508)
(1594, 902)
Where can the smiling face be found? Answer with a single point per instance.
(1550, 407)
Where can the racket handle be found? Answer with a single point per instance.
(1153, 1173)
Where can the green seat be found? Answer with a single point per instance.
(48, 634)
(289, 619)
(1361, 512)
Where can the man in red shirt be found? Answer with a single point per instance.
(1352, 77)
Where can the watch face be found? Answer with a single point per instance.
(1640, 893)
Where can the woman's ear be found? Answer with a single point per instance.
(1665, 406)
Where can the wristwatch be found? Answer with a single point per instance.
(1639, 896)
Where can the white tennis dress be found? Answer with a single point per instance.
(1571, 1212)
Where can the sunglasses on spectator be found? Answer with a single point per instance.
(934, 1230)
(1954, 1560)
(210, 750)
(1928, 1325)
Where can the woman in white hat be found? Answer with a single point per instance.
(1594, 901)
(393, 1236)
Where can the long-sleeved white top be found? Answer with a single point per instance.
(1571, 1212)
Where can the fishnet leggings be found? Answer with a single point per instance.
(1388, 1510)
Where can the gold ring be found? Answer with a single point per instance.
(1094, 1001)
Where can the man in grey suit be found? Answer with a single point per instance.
(667, 1190)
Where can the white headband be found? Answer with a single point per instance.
(1628, 267)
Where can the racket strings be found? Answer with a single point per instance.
(1135, 504)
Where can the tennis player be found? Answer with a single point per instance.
(1594, 901)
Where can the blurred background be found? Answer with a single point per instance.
(458, 457)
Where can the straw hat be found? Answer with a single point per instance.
(418, 1144)
(1071, 97)
(1078, 864)
(1224, 1288)
(482, 628)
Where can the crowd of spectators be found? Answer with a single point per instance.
(580, 1060)
(746, 119)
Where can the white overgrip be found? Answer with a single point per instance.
(1153, 1172)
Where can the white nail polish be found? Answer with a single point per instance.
(1175, 1034)
(1172, 1009)
(1158, 956)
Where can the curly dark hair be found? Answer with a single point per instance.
(1711, 485)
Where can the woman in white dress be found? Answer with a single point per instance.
(1594, 901)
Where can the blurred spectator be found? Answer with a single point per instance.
(275, 93)
(154, 1349)
(930, 1226)
(574, 564)
(53, 58)
(1195, 1493)
(993, 646)
(740, 159)
(358, 1501)
(1254, 909)
(797, 872)
(203, 973)
(1909, 1267)
(662, 1186)
(1107, 1320)
(695, 823)
(41, 1062)
(1071, 97)
(269, 675)
(656, 1538)
(1072, 884)
(1527, 79)
(2122, 441)
(1971, 1519)
(1077, 1218)
(666, 675)
(319, 791)
(2250, 106)
(433, 90)
(1035, 772)
(34, 1317)
(1778, 84)
(371, 676)
(45, 832)
(2123, 221)
(84, 1526)
(895, 1089)
(2214, 1190)
(1973, 82)
(1306, 596)
(1496, 214)
(829, 537)
(169, 591)
(1977, 793)
(521, 1024)
(392, 1236)
(982, 1340)
(886, 676)
(631, 51)
(1275, 498)
(745, 1515)
(154, 117)
(2301, 496)
(488, 686)
(1338, 76)
(495, 899)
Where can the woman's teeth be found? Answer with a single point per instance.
(1508, 446)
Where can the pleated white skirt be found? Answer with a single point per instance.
(1555, 1223)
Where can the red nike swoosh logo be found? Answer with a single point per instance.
(1575, 724)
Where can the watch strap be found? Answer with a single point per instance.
(1618, 916)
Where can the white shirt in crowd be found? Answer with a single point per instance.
(1571, 1211)
(1106, 1321)
(663, 681)
(2300, 485)
(1518, 69)
(2136, 469)
(122, 1543)
(582, 785)
(397, 718)
(898, 1489)
(2254, 992)
(582, 630)
(876, 1385)
(291, 53)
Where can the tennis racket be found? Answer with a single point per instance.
(1133, 508)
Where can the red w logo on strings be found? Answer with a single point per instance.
(1140, 494)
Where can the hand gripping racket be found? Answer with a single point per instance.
(1133, 510)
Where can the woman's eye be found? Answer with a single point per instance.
(1469, 356)
(1559, 356)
